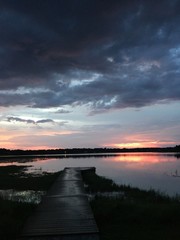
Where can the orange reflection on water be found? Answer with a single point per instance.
(7, 164)
(150, 158)
(139, 160)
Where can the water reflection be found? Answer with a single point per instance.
(144, 170)
(147, 171)
(152, 162)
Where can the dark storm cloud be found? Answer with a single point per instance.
(108, 54)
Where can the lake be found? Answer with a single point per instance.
(159, 171)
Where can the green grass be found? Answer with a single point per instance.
(136, 214)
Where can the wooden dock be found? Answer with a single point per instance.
(64, 213)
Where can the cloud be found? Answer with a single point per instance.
(63, 111)
(45, 121)
(17, 119)
(29, 121)
(109, 55)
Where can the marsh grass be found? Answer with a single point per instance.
(16, 177)
(135, 214)
(14, 213)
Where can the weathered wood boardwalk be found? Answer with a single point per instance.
(64, 213)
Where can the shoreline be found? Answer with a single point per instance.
(79, 155)
(135, 213)
(75, 151)
(132, 214)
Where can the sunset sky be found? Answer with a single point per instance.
(89, 73)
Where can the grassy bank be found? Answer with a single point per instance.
(134, 214)
(14, 214)
(16, 177)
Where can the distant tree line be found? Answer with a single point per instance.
(4, 151)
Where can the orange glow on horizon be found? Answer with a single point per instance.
(136, 145)
(150, 144)
(143, 140)
(38, 147)
(24, 140)
(43, 139)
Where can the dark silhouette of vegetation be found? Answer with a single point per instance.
(12, 217)
(134, 214)
(13, 214)
(15, 177)
(7, 152)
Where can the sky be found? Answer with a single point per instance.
(81, 73)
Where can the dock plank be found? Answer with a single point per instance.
(64, 212)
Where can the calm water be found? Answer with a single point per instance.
(150, 170)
